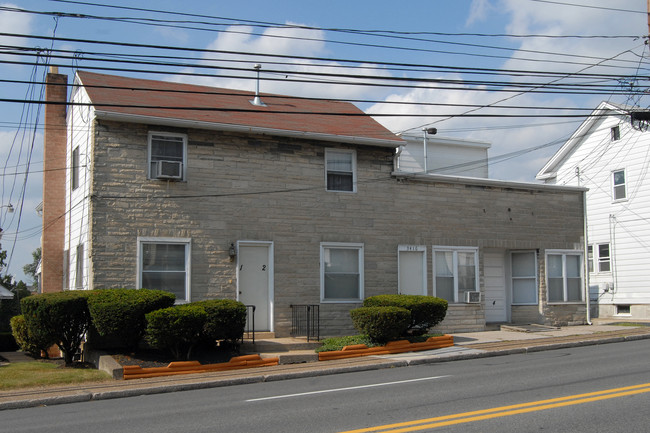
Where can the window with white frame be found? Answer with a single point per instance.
(164, 264)
(74, 178)
(615, 133)
(341, 269)
(167, 156)
(564, 280)
(341, 170)
(524, 277)
(618, 185)
(604, 258)
(79, 268)
(455, 272)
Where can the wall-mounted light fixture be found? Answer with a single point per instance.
(232, 252)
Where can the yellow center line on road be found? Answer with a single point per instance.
(484, 414)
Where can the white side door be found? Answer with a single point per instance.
(496, 302)
(255, 280)
(412, 269)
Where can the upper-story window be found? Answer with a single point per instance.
(618, 185)
(167, 156)
(341, 170)
(75, 168)
(615, 133)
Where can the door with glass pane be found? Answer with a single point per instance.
(255, 280)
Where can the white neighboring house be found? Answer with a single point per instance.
(444, 156)
(611, 157)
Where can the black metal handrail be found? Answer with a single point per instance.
(250, 322)
(305, 321)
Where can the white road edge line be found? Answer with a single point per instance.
(344, 389)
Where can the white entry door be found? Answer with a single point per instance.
(255, 280)
(412, 269)
(496, 302)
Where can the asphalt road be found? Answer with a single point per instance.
(585, 389)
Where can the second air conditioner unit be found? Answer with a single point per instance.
(472, 297)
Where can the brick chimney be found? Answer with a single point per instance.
(54, 175)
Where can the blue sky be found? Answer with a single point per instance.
(410, 22)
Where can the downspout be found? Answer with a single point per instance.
(585, 262)
(398, 153)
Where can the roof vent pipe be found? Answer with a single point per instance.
(257, 101)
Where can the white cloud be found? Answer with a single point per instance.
(479, 10)
(14, 22)
(240, 46)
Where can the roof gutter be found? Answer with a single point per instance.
(134, 118)
(477, 181)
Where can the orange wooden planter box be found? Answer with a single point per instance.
(399, 346)
(187, 367)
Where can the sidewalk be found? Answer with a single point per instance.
(467, 346)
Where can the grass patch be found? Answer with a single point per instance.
(338, 343)
(43, 373)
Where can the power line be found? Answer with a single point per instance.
(591, 7)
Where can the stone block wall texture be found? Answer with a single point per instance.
(262, 188)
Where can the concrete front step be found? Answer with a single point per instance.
(278, 345)
(293, 357)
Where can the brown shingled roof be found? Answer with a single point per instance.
(184, 102)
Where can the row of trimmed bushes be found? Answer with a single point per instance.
(385, 318)
(121, 318)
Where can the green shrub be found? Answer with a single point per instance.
(63, 316)
(381, 324)
(226, 320)
(118, 315)
(426, 311)
(177, 329)
(32, 344)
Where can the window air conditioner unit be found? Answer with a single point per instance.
(169, 169)
(472, 297)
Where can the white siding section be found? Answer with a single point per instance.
(624, 224)
(80, 128)
(445, 156)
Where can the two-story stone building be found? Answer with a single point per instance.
(207, 193)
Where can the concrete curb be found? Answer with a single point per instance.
(204, 383)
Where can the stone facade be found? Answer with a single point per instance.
(263, 188)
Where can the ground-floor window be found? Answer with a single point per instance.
(341, 272)
(164, 264)
(564, 280)
(455, 272)
(524, 277)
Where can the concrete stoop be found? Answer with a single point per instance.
(288, 350)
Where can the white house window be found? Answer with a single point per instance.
(164, 264)
(341, 272)
(604, 259)
(590, 258)
(524, 277)
(75, 169)
(340, 170)
(167, 156)
(79, 269)
(618, 185)
(564, 276)
(615, 133)
(455, 272)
